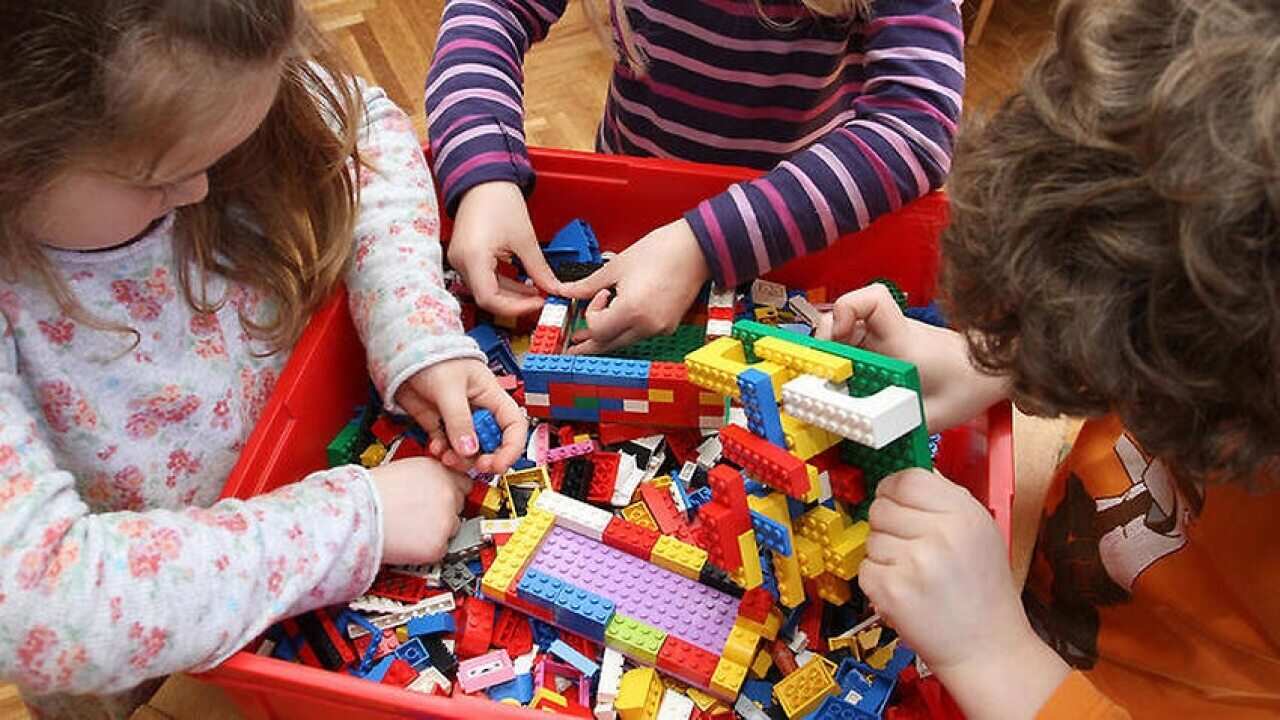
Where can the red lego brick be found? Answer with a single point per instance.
(475, 627)
(545, 340)
(720, 314)
(605, 476)
(518, 603)
(783, 658)
(620, 393)
(847, 484)
(581, 644)
(630, 538)
(765, 461)
(385, 429)
(563, 395)
(811, 619)
(410, 448)
(756, 604)
(400, 673)
(684, 445)
(555, 473)
(612, 433)
(513, 632)
(722, 548)
(566, 434)
(695, 534)
(387, 644)
(475, 497)
(729, 491)
(663, 508)
(667, 374)
(686, 662)
(538, 411)
(398, 586)
(487, 554)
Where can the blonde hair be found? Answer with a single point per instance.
(615, 31)
(116, 80)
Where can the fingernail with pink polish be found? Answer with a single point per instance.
(468, 444)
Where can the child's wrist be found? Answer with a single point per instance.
(1008, 679)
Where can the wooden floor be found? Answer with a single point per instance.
(390, 42)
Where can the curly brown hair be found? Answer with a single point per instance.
(1115, 239)
(103, 82)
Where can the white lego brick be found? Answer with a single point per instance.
(397, 613)
(605, 711)
(625, 488)
(676, 497)
(799, 641)
(649, 443)
(532, 399)
(748, 710)
(710, 452)
(721, 297)
(655, 464)
(768, 293)
(873, 421)
(675, 706)
(523, 665)
(562, 684)
(610, 676)
(573, 514)
(635, 406)
(738, 416)
(712, 422)
(266, 647)
(804, 310)
(505, 526)
(804, 657)
(554, 315)
(719, 328)
(428, 680)
(824, 486)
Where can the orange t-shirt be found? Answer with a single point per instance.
(1166, 613)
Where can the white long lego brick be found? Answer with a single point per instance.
(721, 297)
(523, 665)
(605, 711)
(554, 315)
(748, 709)
(504, 526)
(573, 514)
(719, 328)
(610, 676)
(532, 399)
(397, 613)
(635, 406)
(629, 478)
(675, 706)
(874, 421)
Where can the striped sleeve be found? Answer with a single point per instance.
(896, 147)
(475, 96)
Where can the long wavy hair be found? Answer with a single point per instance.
(1115, 235)
(125, 80)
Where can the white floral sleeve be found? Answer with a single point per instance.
(404, 314)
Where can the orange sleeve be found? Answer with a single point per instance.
(1078, 699)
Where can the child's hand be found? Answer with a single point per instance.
(954, 390)
(441, 397)
(493, 224)
(937, 571)
(656, 281)
(421, 500)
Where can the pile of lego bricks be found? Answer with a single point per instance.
(635, 564)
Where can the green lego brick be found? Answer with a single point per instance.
(635, 638)
(665, 348)
(898, 296)
(910, 450)
(343, 449)
(586, 403)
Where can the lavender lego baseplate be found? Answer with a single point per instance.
(681, 607)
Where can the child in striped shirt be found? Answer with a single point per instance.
(850, 105)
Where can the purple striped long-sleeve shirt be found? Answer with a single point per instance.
(850, 120)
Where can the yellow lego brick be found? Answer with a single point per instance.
(519, 345)
(804, 360)
(662, 396)
(702, 700)
(762, 664)
(639, 695)
(809, 554)
(678, 557)
(805, 441)
(532, 477)
(841, 642)
(546, 696)
(801, 692)
(786, 568)
(868, 639)
(741, 644)
(727, 679)
(767, 629)
(373, 455)
(881, 657)
(845, 555)
(822, 525)
(833, 589)
(513, 556)
(581, 438)
(639, 514)
(662, 481)
(715, 366)
(752, 577)
(492, 503)
(402, 634)
(707, 398)
(778, 376)
(767, 315)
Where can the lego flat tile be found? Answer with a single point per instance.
(639, 589)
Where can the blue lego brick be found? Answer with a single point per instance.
(287, 648)
(931, 314)
(755, 487)
(796, 508)
(574, 242)
(681, 489)
(771, 534)
(542, 370)
(378, 671)
(415, 654)
(430, 625)
(476, 567)
(557, 300)
(835, 708)
(770, 578)
(800, 328)
(519, 688)
(761, 406)
(543, 633)
(760, 691)
(699, 497)
(539, 588)
(902, 657)
(487, 430)
(611, 372)
(583, 612)
(523, 463)
(873, 689)
(571, 414)
(495, 348)
(609, 404)
(580, 662)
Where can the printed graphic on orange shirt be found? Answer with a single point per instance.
(1096, 548)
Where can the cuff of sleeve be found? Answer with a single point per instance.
(497, 156)
(1077, 698)
(423, 355)
(706, 228)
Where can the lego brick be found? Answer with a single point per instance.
(485, 671)
(846, 553)
(675, 706)
(435, 624)
(574, 514)
(640, 695)
(875, 420)
(719, 578)
(613, 372)
(761, 405)
(467, 541)
(755, 605)
(639, 514)
(399, 586)
(639, 589)
(583, 612)
(804, 310)
(727, 678)
(540, 370)
(629, 537)
(373, 455)
(661, 396)
(580, 662)
(801, 692)
(686, 661)
(610, 676)
(752, 575)
(664, 348)
(805, 441)
(765, 461)
(487, 430)
(539, 588)
(761, 665)
(322, 636)
(564, 452)
(809, 555)
(678, 557)
(475, 627)
(772, 294)
(716, 366)
(833, 589)
(770, 534)
(741, 645)
(663, 508)
(635, 638)
(803, 360)
(748, 710)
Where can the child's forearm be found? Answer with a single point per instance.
(1011, 686)
(955, 390)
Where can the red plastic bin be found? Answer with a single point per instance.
(622, 198)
